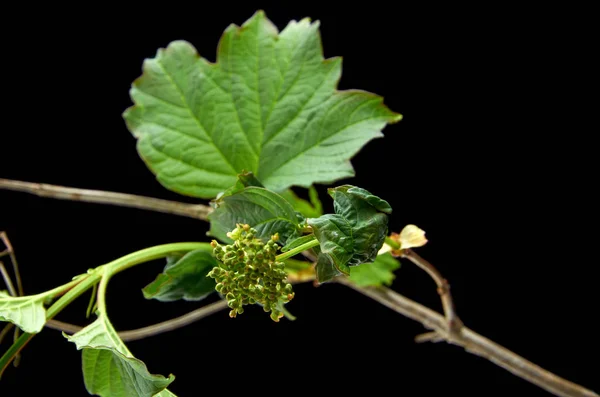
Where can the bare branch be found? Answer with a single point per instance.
(443, 288)
(150, 330)
(13, 258)
(472, 342)
(5, 331)
(196, 211)
(7, 280)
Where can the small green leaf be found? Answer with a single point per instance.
(351, 236)
(312, 209)
(268, 105)
(184, 279)
(109, 369)
(381, 271)
(26, 312)
(336, 240)
(260, 208)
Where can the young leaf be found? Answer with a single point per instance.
(351, 236)
(381, 271)
(26, 312)
(325, 269)
(184, 279)
(109, 369)
(312, 209)
(336, 239)
(260, 208)
(268, 105)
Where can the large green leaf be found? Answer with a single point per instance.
(109, 369)
(185, 278)
(26, 312)
(266, 211)
(381, 271)
(351, 236)
(268, 105)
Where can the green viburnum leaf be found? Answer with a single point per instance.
(185, 278)
(312, 209)
(268, 105)
(109, 369)
(264, 210)
(351, 236)
(381, 271)
(26, 312)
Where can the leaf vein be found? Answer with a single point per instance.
(184, 101)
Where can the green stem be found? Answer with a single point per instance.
(90, 307)
(392, 243)
(101, 297)
(85, 282)
(297, 250)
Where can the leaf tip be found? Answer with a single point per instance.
(396, 117)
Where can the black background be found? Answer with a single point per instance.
(491, 160)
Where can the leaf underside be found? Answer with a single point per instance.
(109, 369)
(26, 312)
(268, 105)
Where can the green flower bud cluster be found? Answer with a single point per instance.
(249, 273)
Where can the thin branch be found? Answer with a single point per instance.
(196, 211)
(150, 330)
(13, 258)
(443, 288)
(7, 280)
(473, 342)
(5, 331)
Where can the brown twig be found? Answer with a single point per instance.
(19, 292)
(443, 289)
(7, 280)
(472, 342)
(196, 211)
(150, 330)
(5, 331)
(13, 258)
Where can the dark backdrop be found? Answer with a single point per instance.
(488, 160)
